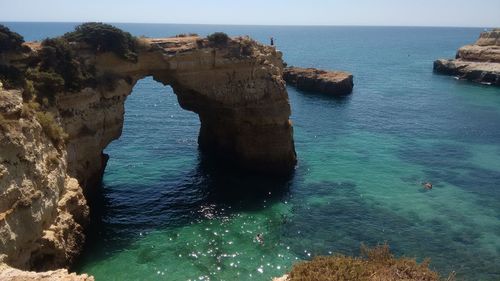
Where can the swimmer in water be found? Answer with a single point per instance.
(427, 185)
(260, 238)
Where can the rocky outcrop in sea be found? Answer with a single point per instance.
(336, 83)
(479, 62)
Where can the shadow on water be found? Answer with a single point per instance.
(340, 101)
(213, 189)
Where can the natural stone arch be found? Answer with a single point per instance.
(237, 90)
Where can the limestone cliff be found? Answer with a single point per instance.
(479, 62)
(42, 208)
(51, 145)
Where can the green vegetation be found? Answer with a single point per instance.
(374, 264)
(11, 77)
(60, 69)
(218, 38)
(187, 35)
(105, 38)
(46, 83)
(58, 57)
(51, 128)
(57, 68)
(10, 41)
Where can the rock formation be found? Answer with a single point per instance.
(241, 101)
(335, 83)
(12, 274)
(42, 208)
(479, 62)
(51, 151)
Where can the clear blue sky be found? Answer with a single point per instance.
(477, 13)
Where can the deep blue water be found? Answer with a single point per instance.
(168, 213)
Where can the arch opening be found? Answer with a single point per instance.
(241, 102)
(157, 177)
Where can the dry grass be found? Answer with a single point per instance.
(29, 108)
(374, 264)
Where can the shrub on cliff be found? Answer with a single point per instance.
(218, 38)
(187, 35)
(105, 38)
(57, 56)
(11, 77)
(10, 41)
(374, 264)
(46, 83)
(51, 128)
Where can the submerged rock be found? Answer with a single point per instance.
(336, 83)
(479, 62)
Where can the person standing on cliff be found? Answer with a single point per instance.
(272, 41)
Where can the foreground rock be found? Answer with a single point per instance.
(479, 62)
(42, 208)
(335, 83)
(12, 274)
(52, 139)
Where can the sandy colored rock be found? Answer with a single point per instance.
(337, 83)
(11, 274)
(42, 208)
(479, 62)
(282, 278)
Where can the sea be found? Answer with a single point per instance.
(167, 212)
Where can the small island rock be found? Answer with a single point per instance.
(336, 83)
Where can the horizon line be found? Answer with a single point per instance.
(277, 25)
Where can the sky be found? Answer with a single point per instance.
(463, 13)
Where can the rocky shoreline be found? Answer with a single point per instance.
(335, 83)
(479, 62)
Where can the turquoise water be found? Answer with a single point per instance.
(169, 213)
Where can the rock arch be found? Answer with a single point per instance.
(236, 89)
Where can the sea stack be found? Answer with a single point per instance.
(336, 83)
(479, 62)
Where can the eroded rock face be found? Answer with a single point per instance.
(42, 208)
(336, 83)
(479, 62)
